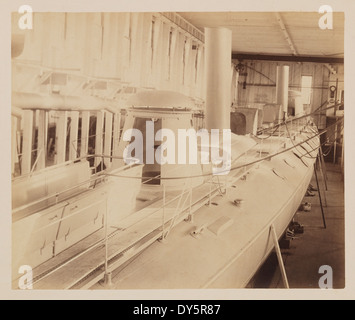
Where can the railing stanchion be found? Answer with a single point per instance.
(190, 208)
(209, 195)
(107, 277)
(163, 222)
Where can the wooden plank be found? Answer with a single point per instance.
(27, 142)
(42, 139)
(73, 140)
(135, 229)
(146, 52)
(66, 255)
(279, 256)
(61, 136)
(186, 69)
(108, 138)
(174, 36)
(137, 46)
(164, 54)
(14, 156)
(85, 123)
(116, 133)
(156, 58)
(78, 269)
(200, 71)
(99, 136)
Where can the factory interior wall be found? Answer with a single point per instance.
(135, 50)
(257, 83)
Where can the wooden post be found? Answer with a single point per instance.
(85, 123)
(42, 139)
(14, 155)
(61, 136)
(27, 142)
(73, 140)
(190, 206)
(323, 178)
(174, 36)
(335, 142)
(163, 217)
(99, 136)
(320, 197)
(323, 167)
(116, 132)
(279, 256)
(342, 154)
(108, 139)
(157, 58)
(187, 69)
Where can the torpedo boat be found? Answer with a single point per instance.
(159, 225)
(154, 192)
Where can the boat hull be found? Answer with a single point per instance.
(235, 239)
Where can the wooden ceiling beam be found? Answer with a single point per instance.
(285, 33)
(330, 68)
(269, 57)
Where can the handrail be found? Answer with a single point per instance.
(93, 179)
(170, 178)
(104, 240)
(303, 116)
(178, 207)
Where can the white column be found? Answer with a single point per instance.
(218, 50)
(282, 77)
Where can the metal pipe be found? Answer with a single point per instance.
(282, 87)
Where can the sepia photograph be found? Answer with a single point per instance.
(171, 150)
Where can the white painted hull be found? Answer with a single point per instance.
(271, 192)
(231, 258)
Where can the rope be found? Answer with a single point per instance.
(244, 165)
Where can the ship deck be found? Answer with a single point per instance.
(84, 264)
